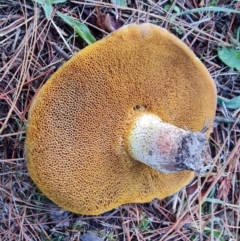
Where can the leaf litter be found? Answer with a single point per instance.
(208, 209)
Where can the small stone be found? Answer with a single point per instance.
(90, 236)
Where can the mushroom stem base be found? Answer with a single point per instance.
(165, 147)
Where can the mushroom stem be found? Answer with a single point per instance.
(165, 147)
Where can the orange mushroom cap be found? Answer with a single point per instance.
(76, 134)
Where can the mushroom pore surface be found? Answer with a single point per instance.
(75, 146)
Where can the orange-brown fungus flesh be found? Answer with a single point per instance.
(75, 149)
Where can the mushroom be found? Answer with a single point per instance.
(120, 122)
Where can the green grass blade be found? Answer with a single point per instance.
(217, 201)
(208, 9)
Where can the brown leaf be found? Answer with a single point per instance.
(110, 23)
(192, 188)
(107, 22)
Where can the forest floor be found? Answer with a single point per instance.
(35, 41)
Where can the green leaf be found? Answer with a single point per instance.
(47, 6)
(234, 103)
(167, 7)
(81, 29)
(47, 10)
(40, 1)
(230, 57)
(216, 233)
(238, 34)
(57, 1)
(176, 9)
(121, 3)
(214, 3)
